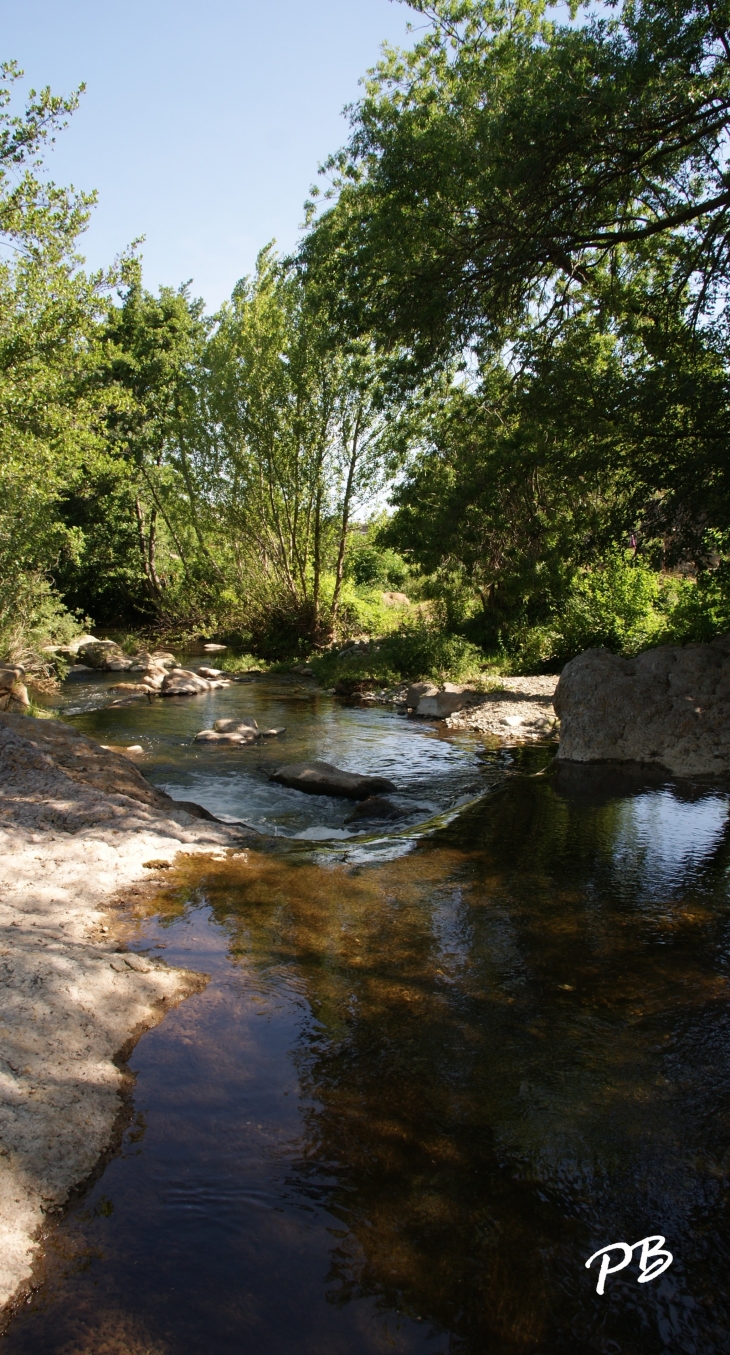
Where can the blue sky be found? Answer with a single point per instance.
(203, 124)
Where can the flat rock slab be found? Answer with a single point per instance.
(669, 706)
(77, 824)
(321, 778)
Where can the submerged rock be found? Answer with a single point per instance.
(668, 706)
(321, 778)
(375, 807)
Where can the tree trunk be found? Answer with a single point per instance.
(340, 569)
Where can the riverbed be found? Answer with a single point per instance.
(438, 1064)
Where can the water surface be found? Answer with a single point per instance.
(430, 1075)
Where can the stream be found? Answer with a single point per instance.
(437, 1066)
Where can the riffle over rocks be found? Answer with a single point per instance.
(669, 706)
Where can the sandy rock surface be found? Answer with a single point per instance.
(76, 825)
(669, 706)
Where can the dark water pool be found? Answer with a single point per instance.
(429, 1077)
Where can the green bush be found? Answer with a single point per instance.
(367, 564)
(410, 653)
(702, 607)
(32, 615)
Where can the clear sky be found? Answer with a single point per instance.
(203, 124)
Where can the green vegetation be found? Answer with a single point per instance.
(507, 321)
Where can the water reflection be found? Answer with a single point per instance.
(418, 1094)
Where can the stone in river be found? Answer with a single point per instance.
(105, 655)
(183, 682)
(233, 736)
(321, 778)
(235, 726)
(210, 672)
(375, 807)
(272, 733)
(668, 706)
(211, 648)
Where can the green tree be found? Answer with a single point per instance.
(49, 419)
(299, 437)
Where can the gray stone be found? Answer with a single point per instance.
(669, 706)
(417, 690)
(321, 778)
(137, 963)
(210, 672)
(195, 811)
(183, 682)
(233, 736)
(101, 654)
(438, 704)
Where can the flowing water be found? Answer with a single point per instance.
(434, 1069)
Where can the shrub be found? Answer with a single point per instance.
(410, 653)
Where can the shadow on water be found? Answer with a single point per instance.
(418, 1093)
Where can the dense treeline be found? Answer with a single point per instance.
(507, 318)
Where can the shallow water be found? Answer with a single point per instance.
(432, 774)
(431, 1074)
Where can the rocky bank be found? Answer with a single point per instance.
(77, 824)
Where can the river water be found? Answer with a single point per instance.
(434, 1069)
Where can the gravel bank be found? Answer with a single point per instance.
(520, 713)
(76, 825)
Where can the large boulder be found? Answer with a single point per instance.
(321, 778)
(669, 706)
(104, 655)
(183, 682)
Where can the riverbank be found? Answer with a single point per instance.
(520, 710)
(77, 825)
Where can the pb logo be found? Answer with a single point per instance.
(653, 1261)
